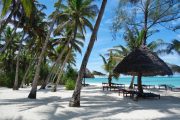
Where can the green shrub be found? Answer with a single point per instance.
(70, 84)
(6, 80)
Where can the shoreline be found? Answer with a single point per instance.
(174, 81)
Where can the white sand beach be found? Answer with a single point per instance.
(95, 105)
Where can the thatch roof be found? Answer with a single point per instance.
(98, 73)
(88, 74)
(142, 60)
(174, 68)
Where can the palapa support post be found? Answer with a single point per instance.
(139, 82)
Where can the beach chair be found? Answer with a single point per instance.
(137, 95)
(176, 89)
(166, 87)
(151, 86)
(127, 92)
(144, 86)
(150, 95)
(135, 86)
(114, 86)
(163, 86)
(105, 86)
(117, 86)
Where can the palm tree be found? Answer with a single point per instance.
(109, 65)
(74, 45)
(13, 6)
(8, 56)
(15, 87)
(32, 93)
(29, 25)
(79, 12)
(75, 100)
(174, 45)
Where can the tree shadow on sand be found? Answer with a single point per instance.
(102, 107)
(96, 106)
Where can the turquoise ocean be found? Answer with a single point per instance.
(169, 80)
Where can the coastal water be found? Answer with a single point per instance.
(175, 81)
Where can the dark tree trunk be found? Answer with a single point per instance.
(146, 12)
(32, 93)
(84, 81)
(140, 89)
(54, 89)
(75, 100)
(43, 86)
(11, 38)
(4, 23)
(26, 73)
(15, 87)
(132, 82)
(109, 80)
(58, 60)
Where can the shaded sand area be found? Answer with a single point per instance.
(95, 104)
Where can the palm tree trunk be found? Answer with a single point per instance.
(32, 93)
(140, 89)
(61, 72)
(10, 39)
(146, 12)
(75, 100)
(109, 80)
(132, 82)
(58, 61)
(50, 75)
(15, 87)
(25, 75)
(4, 23)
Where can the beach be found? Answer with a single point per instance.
(95, 105)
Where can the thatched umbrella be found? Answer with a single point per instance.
(174, 68)
(87, 74)
(142, 62)
(98, 73)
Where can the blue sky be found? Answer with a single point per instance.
(105, 40)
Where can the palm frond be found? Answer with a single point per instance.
(104, 59)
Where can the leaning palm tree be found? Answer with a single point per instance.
(29, 25)
(75, 100)
(32, 93)
(8, 55)
(11, 7)
(74, 45)
(80, 12)
(173, 46)
(15, 87)
(109, 65)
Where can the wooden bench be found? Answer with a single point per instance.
(113, 86)
(127, 92)
(145, 86)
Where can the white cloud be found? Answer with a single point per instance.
(171, 58)
(176, 22)
(178, 36)
(109, 21)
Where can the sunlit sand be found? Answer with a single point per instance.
(95, 104)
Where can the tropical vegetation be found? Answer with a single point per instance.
(37, 49)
